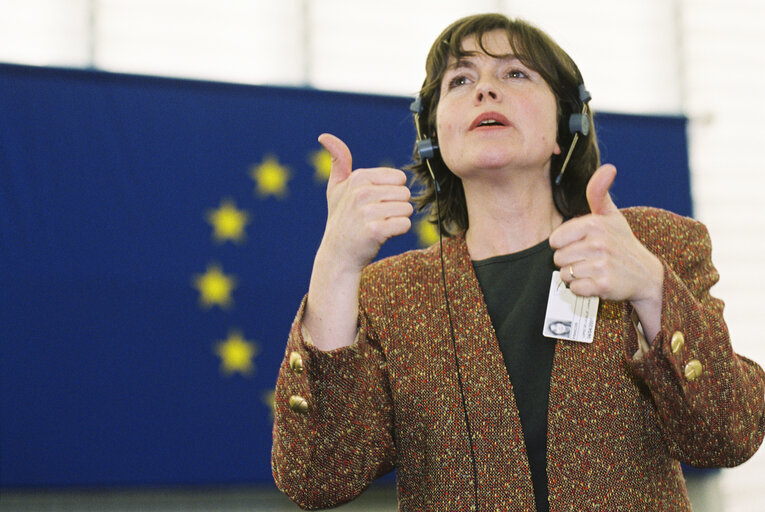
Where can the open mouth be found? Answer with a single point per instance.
(489, 120)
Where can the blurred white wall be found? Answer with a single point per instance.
(701, 58)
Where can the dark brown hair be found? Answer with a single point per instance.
(538, 51)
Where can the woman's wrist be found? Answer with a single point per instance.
(331, 314)
(648, 302)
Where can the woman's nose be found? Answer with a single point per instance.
(486, 90)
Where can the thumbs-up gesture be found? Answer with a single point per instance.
(365, 208)
(599, 255)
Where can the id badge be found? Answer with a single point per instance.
(569, 316)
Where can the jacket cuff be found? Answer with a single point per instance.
(306, 369)
(675, 350)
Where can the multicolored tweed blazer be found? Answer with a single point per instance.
(617, 426)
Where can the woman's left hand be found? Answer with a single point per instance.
(599, 255)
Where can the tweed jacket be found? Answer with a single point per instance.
(618, 426)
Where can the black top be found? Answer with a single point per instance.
(515, 288)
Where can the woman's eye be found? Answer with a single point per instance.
(457, 81)
(517, 73)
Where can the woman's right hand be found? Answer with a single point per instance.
(366, 207)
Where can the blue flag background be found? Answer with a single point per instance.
(156, 237)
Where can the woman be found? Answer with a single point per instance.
(434, 362)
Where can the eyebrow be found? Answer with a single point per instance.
(465, 62)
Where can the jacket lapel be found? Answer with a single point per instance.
(491, 408)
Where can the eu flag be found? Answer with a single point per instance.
(156, 236)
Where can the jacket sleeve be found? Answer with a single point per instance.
(710, 401)
(332, 419)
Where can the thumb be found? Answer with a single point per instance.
(597, 190)
(341, 158)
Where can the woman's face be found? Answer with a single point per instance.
(495, 113)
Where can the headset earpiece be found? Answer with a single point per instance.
(425, 147)
(584, 94)
(415, 107)
(578, 123)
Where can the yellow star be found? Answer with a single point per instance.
(214, 287)
(427, 233)
(322, 163)
(236, 354)
(228, 223)
(268, 399)
(271, 177)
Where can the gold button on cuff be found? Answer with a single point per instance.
(693, 370)
(296, 362)
(298, 404)
(677, 342)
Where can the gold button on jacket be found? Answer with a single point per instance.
(298, 404)
(677, 342)
(296, 362)
(693, 370)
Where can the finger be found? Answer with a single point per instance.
(388, 176)
(569, 232)
(581, 250)
(583, 287)
(567, 256)
(380, 176)
(576, 273)
(597, 190)
(592, 277)
(573, 271)
(388, 210)
(387, 228)
(392, 193)
(341, 158)
(372, 194)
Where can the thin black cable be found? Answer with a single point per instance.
(416, 108)
(454, 341)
